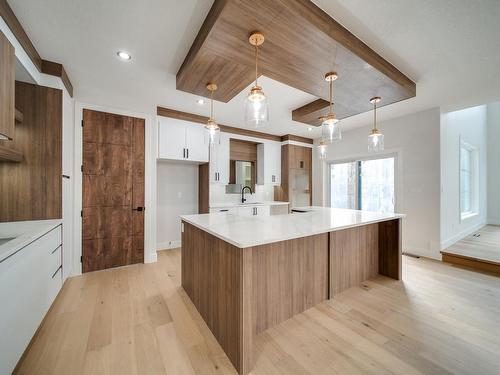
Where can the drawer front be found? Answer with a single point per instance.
(50, 241)
(55, 261)
(229, 210)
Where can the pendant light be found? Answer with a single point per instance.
(256, 106)
(375, 138)
(330, 128)
(322, 149)
(211, 126)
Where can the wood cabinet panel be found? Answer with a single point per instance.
(7, 87)
(32, 188)
(353, 257)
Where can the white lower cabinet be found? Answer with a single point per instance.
(30, 280)
(245, 210)
(254, 211)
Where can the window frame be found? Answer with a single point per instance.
(396, 159)
(474, 180)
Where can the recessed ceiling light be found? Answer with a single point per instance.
(124, 55)
(200, 102)
(309, 129)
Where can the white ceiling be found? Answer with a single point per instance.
(450, 48)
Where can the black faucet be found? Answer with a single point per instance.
(243, 200)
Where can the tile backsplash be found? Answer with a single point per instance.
(261, 193)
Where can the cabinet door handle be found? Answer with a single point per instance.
(187, 149)
(184, 153)
(218, 176)
(273, 178)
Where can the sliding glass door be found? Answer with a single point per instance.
(363, 184)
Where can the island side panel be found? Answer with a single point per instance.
(289, 277)
(390, 248)
(212, 278)
(353, 256)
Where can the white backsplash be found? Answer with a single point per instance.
(262, 193)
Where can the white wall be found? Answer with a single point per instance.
(177, 194)
(493, 113)
(470, 125)
(414, 140)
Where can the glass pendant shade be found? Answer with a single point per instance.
(375, 141)
(256, 108)
(330, 129)
(322, 149)
(375, 138)
(213, 131)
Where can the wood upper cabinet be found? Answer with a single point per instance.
(7, 88)
(181, 140)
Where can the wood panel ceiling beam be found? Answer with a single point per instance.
(185, 116)
(43, 66)
(302, 44)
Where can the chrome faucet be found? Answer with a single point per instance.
(243, 200)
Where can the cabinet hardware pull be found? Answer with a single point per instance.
(184, 153)
(65, 176)
(187, 152)
(55, 273)
(139, 209)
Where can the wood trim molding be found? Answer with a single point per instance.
(56, 69)
(296, 138)
(179, 115)
(43, 66)
(17, 29)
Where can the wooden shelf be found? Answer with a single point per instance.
(8, 154)
(19, 116)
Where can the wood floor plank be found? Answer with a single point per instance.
(138, 320)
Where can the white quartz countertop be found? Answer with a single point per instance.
(23, 233)
(260, 203)
(251, 231)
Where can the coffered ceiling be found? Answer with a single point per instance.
(448, 48)
(302, 44)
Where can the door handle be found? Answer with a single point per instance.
(184, 153)
(140, 209)
(187, 152)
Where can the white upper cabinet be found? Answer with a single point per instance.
(181, 140)
(219, 161)
(269, 163)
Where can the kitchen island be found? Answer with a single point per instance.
(246, 274)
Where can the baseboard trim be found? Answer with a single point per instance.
(168, 245)
(424, 253)
(460, 236)
(473, 263)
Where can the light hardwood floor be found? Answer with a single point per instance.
(483, 244)
(138, 320)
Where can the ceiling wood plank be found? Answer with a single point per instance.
(302, 44)
(310, 113)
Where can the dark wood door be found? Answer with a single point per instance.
(113, 190)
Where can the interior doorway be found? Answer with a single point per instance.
(363, 184)
(112, 191)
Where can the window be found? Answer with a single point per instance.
(469, 180)
(363, 184)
